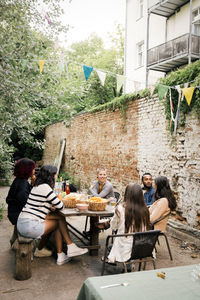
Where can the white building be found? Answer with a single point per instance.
(161, 36)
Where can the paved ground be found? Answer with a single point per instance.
(50, 282)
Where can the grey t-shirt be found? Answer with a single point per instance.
(106, 192)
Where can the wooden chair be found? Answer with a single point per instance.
(142, 249)
(162, 233)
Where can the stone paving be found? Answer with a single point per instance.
(50, 282)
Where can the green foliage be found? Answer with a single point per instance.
(1, 210)
(191, 73)
(29, 101)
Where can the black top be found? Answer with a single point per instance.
(17, 197)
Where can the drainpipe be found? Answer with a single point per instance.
(190, 35)
(147, 47)
(125, 47)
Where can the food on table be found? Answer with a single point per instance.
(161, 275)
(82, 206)
(97, 203)
(72, 199)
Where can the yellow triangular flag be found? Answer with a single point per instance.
(188, 93)
(41, 64)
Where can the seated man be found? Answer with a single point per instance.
(148, 190)
(102, 187)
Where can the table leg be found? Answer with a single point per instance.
(94, 235)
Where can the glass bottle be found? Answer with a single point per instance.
(67, 189)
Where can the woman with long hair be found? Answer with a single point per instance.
(131, 216)
(40, 216)
(164, 202)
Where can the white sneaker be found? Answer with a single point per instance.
(42, 253)
(74, 250)
(62, 259)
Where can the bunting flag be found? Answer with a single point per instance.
(120, 81)
(102, 76)
(61, 66)
(24, 64)
(56, 44)
(188, 93)
(47, 18)
(41, 64)
(171, 106)
(137, 86)
(162, 90)
(151, 88)
(87, 71)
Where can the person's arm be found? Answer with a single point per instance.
(94, 189)
(116, 219)
(55, 202)
(107, 188)
(22, 194)
(158, 210)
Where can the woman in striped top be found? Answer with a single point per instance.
(40, 216)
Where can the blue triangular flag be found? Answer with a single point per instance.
(87, 71)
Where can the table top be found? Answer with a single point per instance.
(109, 212)
(178, 284)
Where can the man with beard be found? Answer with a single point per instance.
(148, 189)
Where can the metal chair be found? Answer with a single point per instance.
(162, 233)
(142, 249)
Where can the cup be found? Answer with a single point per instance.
(112, 202)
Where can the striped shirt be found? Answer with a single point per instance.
(39, 203)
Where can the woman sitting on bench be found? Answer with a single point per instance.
(40, 216)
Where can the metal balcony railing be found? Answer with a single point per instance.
(173, 49)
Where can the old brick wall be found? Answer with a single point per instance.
(129, 147)
(100, 139)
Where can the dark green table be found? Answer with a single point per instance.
(144, 285)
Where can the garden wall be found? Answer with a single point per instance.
(130, 146)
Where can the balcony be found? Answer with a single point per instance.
(173, 54)
(166, 8)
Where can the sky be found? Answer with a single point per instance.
(87, 16)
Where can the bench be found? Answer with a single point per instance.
(23, 248)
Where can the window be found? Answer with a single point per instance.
(140, 54)
(196, 21)
(141, 8)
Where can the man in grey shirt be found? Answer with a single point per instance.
(102, 187)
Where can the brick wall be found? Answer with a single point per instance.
(128, 148)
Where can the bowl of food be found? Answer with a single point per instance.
(82, 206)
(97, 204)
(70, 200)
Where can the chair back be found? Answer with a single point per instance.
(117, 197)
(144, 243)
(161, 223)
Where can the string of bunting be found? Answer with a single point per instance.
(87, 70)
(183, 93)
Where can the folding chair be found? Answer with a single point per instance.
(142, 249)
(162, 233)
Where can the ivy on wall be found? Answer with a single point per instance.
(191, 74)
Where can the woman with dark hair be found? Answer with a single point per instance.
(164, 202)
(20, 188)
(131, 216)
(40, 216)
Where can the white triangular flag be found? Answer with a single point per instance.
(102, 76)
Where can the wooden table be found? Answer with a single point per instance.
(178, 284)
(91, 241)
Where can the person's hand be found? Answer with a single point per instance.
(53, 208)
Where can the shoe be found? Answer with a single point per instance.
(102, 226)
(42, 253)
(62, 259)
(74, 250)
